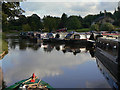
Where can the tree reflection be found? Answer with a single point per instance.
(23, 44)
(57, 48)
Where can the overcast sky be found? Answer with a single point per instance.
(70, 8)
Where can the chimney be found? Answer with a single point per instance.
(104, 13)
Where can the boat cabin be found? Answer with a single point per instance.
(68, 36)
(78, 37)
(49, 35)
(75, 36)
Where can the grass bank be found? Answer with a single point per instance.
(14, 32)
(81, 30)
(3, 43)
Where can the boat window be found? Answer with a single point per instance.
(76, 36)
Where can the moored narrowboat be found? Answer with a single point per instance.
(76, 39)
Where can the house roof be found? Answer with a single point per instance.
(96, 20)
(101, 18)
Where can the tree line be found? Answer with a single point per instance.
(13, 19)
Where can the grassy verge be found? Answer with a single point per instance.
(3, 43)
(16, 32)
(80, 30)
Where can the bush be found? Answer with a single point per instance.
(14, 28)
(94, 27)
(107, 27)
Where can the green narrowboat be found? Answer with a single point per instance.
(30, 83)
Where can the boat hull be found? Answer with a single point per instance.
(39, 83)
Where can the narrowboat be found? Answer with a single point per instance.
(75, 39)
(48, 37)
(107, 54)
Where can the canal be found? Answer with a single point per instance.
(62, 66)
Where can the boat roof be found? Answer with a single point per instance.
(111, 38)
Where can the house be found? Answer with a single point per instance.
(103, 19)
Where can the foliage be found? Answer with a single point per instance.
(3, 44)
(106, 27)
(51, 23)
(22, 20)
(63, 21)
(0, 16)
(88, 20)
(116, 15)
(73, 23)
(81, 30)
(10, 10)
(35, 22)
(26, 27)
(94, 27)
(4, 22)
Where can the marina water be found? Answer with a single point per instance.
(60, 65)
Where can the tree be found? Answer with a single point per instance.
(94, 27)
(51, 23)
(80, 19)
(35, 22)
(88, 20)
(26, 27)
(63, 21)
(4, 22)
(106, 27)
(0, 16)
(22, 20)
(10, 10)
(73, 22)
(116, 15)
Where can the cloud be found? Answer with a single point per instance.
(109, 6)
(95, 84)
(22, 64)
(70, 8)
(72, 0)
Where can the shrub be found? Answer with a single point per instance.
(94, 27)
(107, 27)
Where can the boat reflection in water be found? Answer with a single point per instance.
(68, 48)
(107, 58)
